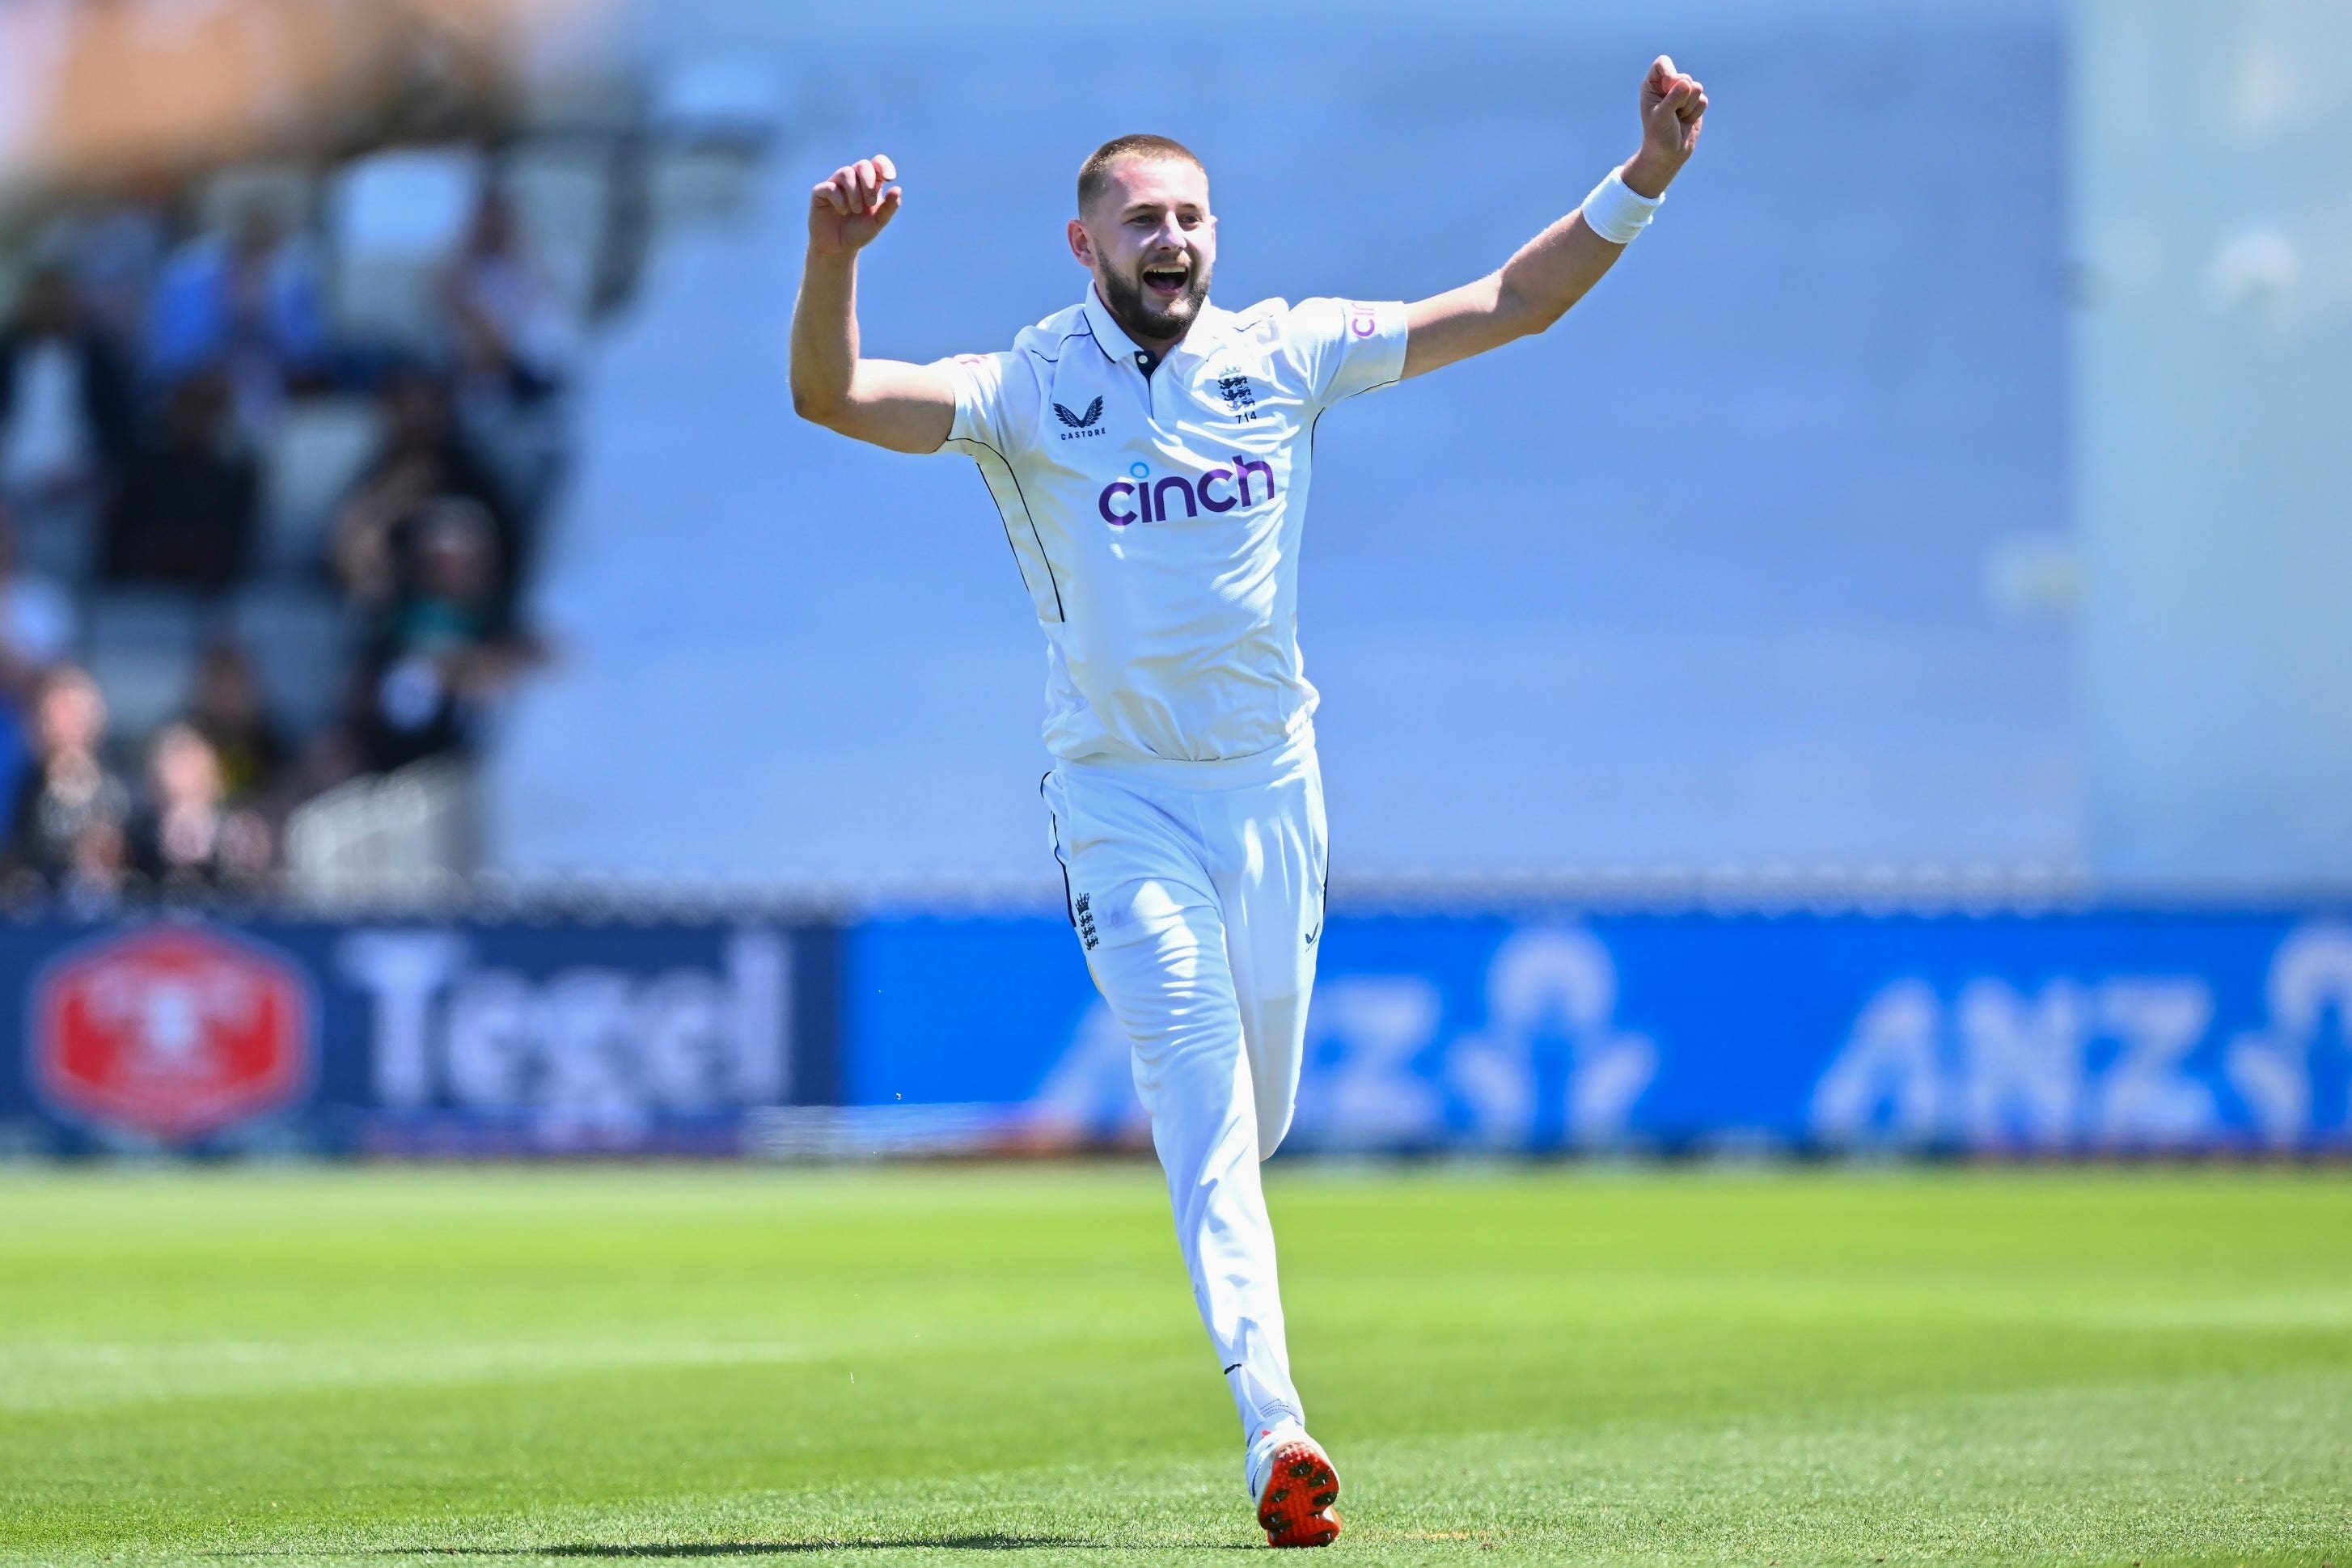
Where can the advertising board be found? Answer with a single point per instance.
(2098, 1032)
(460, 1039)
(2087, 1034)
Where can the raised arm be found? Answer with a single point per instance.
(1553, 270)
(892, 403)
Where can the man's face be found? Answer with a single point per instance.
(1150, 239)
(72, 714)
(454, 551)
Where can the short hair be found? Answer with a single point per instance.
(1095, 173)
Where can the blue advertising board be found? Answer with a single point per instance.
(2124, 1032)
(406, 1039)
(2087, 1034)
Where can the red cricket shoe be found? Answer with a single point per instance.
(1294, 1504)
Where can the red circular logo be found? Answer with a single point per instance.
(174, 1032)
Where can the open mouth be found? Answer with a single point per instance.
(1166, 282)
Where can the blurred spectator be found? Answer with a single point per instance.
(423, 457)
(229, 713)
(37, 621)
(68, 824)
(185, 513)
(516, 344)
(37, 627)
(514, 329)
(448, 644)
(64, 407)
(186, 834)
(249, 304)
(115, 253)
(432, 541)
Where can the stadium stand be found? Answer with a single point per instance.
(1569, 616)
(205, 366)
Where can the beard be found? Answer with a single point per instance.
(1146, 318)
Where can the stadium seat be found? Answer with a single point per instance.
(562, 199)
(60, 540)
(319, 450)
(287, 191)
(730, 98)
(298, 639)
(712, 118)
(584, 104)
(698, 186)
(405, 835)
(140, 645)
(392, 219)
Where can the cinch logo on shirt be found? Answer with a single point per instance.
(1149, 497)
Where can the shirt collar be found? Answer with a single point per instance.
(1207, 328)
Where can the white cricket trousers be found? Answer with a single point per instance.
(1197, 891)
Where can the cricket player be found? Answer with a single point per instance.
(1151, 456)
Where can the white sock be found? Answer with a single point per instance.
(1259, 1405)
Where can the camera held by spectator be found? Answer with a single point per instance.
(449, 645)
(424, 456)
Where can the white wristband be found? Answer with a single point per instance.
(1615, 213)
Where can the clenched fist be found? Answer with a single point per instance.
(848, 210)
(1673, 107)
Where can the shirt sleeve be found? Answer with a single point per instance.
(986, 387)
(1347, 346)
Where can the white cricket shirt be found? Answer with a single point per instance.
(1156, 517)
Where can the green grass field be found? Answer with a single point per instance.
(1556, 1366)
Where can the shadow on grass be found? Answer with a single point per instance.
(655, 1549)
